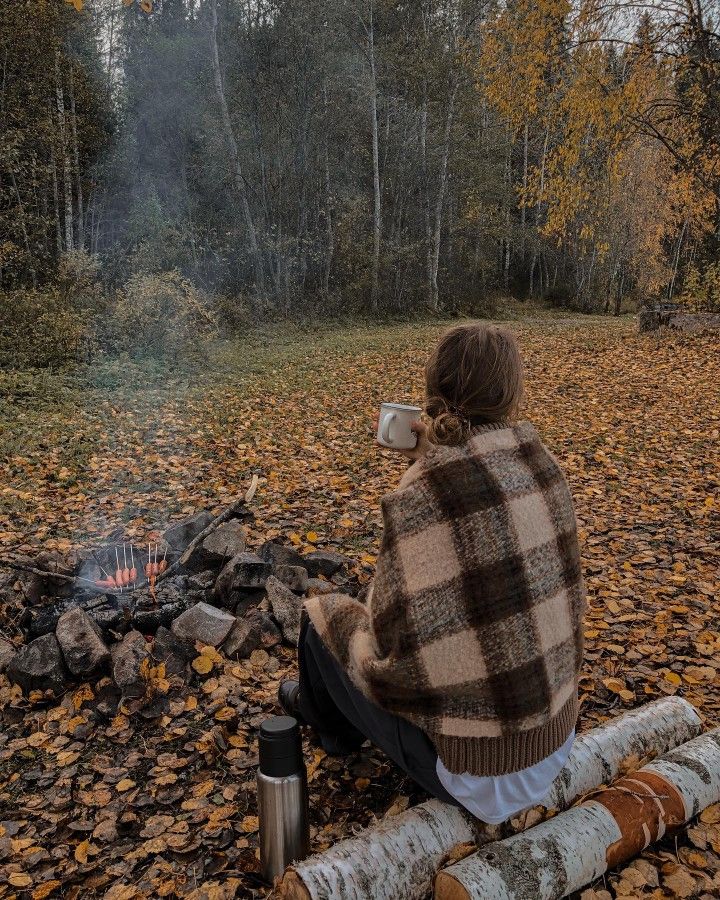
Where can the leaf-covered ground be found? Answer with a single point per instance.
(125, 807)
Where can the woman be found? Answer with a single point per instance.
(463, 663)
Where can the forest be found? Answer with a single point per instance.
(171, 169)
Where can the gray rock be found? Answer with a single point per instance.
(39, 666)
(280, 555)
(203, 581)
(80, 639)
(295, 577)
(245, 571)
(7, 653)
(172, 600)
(107, 611)
(172, 651)
(316, 587)
(255, 631)
(286, 608)
(203, 623)
(324, 562)
(224, 543)
(127, 659)
(245, 600)
(179, 536)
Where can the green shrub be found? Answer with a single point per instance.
(160, 315)
(40, 329)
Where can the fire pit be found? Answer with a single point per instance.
(115, 606)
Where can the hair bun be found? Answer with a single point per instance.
(448, 428)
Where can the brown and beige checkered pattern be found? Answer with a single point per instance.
(474, 628)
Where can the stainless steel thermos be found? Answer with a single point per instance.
(282, 796)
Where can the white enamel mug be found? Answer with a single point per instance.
(394, 426)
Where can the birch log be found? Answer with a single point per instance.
(565, 853)
(397, 859)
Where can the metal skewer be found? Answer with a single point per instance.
(99, 566)
(117, 561)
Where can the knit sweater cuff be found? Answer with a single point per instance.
(510, 753)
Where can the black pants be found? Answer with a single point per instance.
(344, 718)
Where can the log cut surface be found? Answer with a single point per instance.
(563, 854)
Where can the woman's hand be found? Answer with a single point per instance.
(416, 452)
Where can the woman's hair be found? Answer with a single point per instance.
(473, 377)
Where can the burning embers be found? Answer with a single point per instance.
(125, 575)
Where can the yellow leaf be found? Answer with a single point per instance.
(125, 784)
(711, 815)
(202, 664)
(81, 852)
(67, 758)
(614, 684)
(225, 713)
(45, 889)
(312, 536)
(20, 879)
(190, 703)
(249, 824)
(673, 678)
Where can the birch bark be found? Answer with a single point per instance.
(397, 859)
(565, 853)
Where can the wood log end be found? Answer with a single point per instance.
(291, 887)
(449, 888)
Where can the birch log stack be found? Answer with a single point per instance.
(565, 853)
(398, 859)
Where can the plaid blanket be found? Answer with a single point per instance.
(473, 629)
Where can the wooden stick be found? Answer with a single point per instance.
(42, 572)
(563, 854)
(397, 859)
(230, 513)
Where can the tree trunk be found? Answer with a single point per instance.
(67, 169)
(329, 205)
(55, 187)
(440, 202)
(238, 175)
(397, 859)
(563, 854)
(377, 211)
(76, 160)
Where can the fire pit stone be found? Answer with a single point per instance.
(169, 649)
(224, 543)
(317, 587)
(203, 623)
(324, 562)
(280, 555)
(200, 587)
(80, 639)
(286, 607)
(295, 577)
(127, 658)
(256, 630)
(39, 666)
(177, 537)
(246, 570)
(7, 654)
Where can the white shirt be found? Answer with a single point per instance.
(496, 798)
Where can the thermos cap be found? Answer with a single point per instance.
(280, 747)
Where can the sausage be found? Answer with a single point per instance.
(106, 583)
